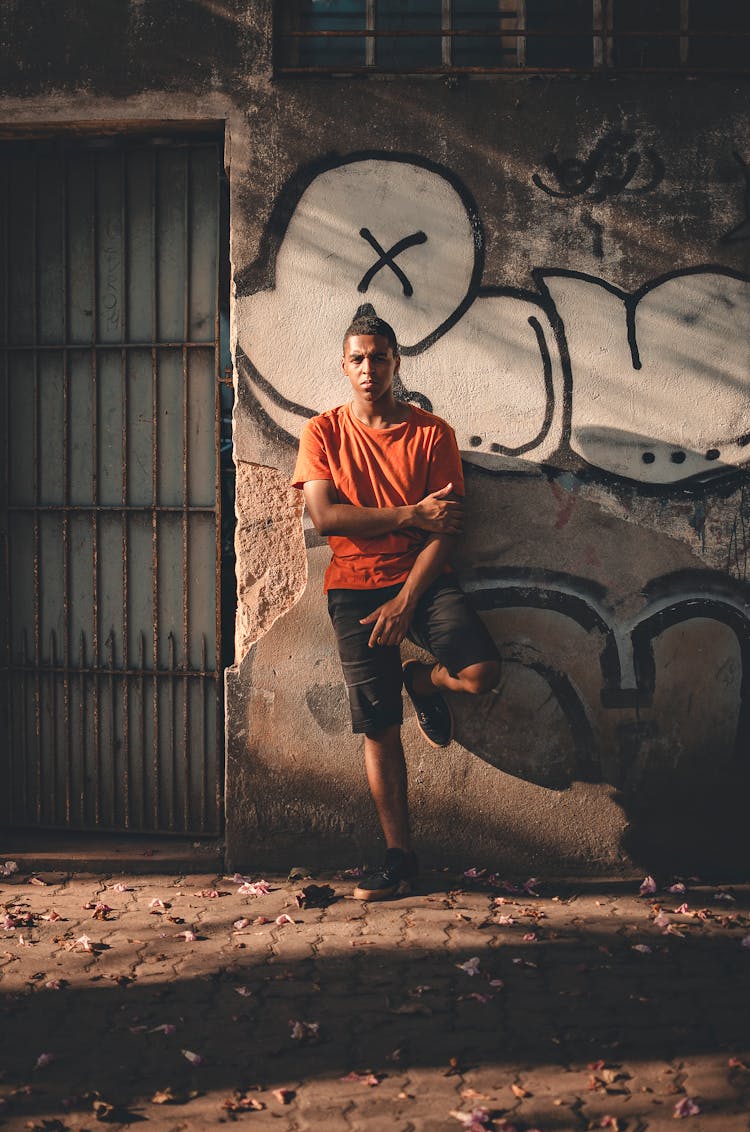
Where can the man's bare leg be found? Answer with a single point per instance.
(428, 679)
(386, 774)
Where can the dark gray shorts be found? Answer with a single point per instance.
(445, 625)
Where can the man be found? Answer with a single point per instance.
(383, 482)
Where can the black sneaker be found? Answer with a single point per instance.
(434, 716)
(391, 880)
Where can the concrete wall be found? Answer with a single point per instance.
(571, 292)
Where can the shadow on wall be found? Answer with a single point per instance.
(657, 705)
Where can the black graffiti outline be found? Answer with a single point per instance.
(260, 275)
(576, 176)
(387, 259)
(669, 599)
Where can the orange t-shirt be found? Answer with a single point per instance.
(377, 467)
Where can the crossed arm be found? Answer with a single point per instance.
(440, 514)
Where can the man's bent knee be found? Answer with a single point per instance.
(479, 678)
(381, 734)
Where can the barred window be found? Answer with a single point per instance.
(455, 36)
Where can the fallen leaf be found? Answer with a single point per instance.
(367, 1078)
(519, 1091)
(242, 1102)
(685, 1107)
(283, 919)
(44, 1060)
(257, 888)
(173, 1096)
(304, 1031)
(38, 881)
(245, 992)
(642, 948)
(193, 1058)
(7, 869)
(239, 925)
(678, 889)
(284, 1096)
(188, 936)
(210, 894)
(471, 966)
(648, 886)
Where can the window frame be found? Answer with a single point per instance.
(603, 34)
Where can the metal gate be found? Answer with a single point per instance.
(111, 702)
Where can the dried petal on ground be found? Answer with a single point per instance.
(283, 919)
(83, 943)
(188, 936)
(38, 881)
(519, 1091)
(642, 948)
(504, 920)
(477, 1118)
(304, 1031)
(241, 924)
(120, 887)
(44, 1060)
(242, 1102)
(157, 906)
(648, 886)
(314, 896)
(367, 1078)
(193, 1058)
(531, 885)
(683, 910)
(56, 984)
(722, 895)
(8, 868)
(471, 966)
(173, 1096)
(284, 1096)
(738, 1063)
(661, 920)
(256, 888)
(210, 894)
(474, 873)
(745, 941)
(685, 1107)
(678, 889)
(166, 1028)
(52, 915)
(245, 992)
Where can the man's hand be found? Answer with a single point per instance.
(439, 514)
(392, 620)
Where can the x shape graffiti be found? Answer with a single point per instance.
(387, 258)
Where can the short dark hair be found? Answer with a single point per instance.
(371, 324)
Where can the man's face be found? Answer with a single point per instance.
(370, 364)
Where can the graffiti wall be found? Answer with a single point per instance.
(600, 397)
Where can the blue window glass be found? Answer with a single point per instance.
(420, 16)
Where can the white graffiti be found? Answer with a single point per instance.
(654, 390)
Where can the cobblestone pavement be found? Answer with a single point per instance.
(185, 1002)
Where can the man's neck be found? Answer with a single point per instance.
(383, 413)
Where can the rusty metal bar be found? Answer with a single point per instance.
(82, 724)
(521, 37)
(25, 747)
(172, 738)
(36, 453)
(527, 33)
(101, 508)
(218, 778)
(102, 670)
(142, 719)
(346, 69)
(6, 492)
(446, 14)
(65, 257)
(204, 740)
(53, 725)
(684, 30)
(371, 32)
(110, 642)
(185, 489)
(26, 347)
(95, 485)
(155, 477)
(124, 247)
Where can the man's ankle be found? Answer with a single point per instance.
(421, 679)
